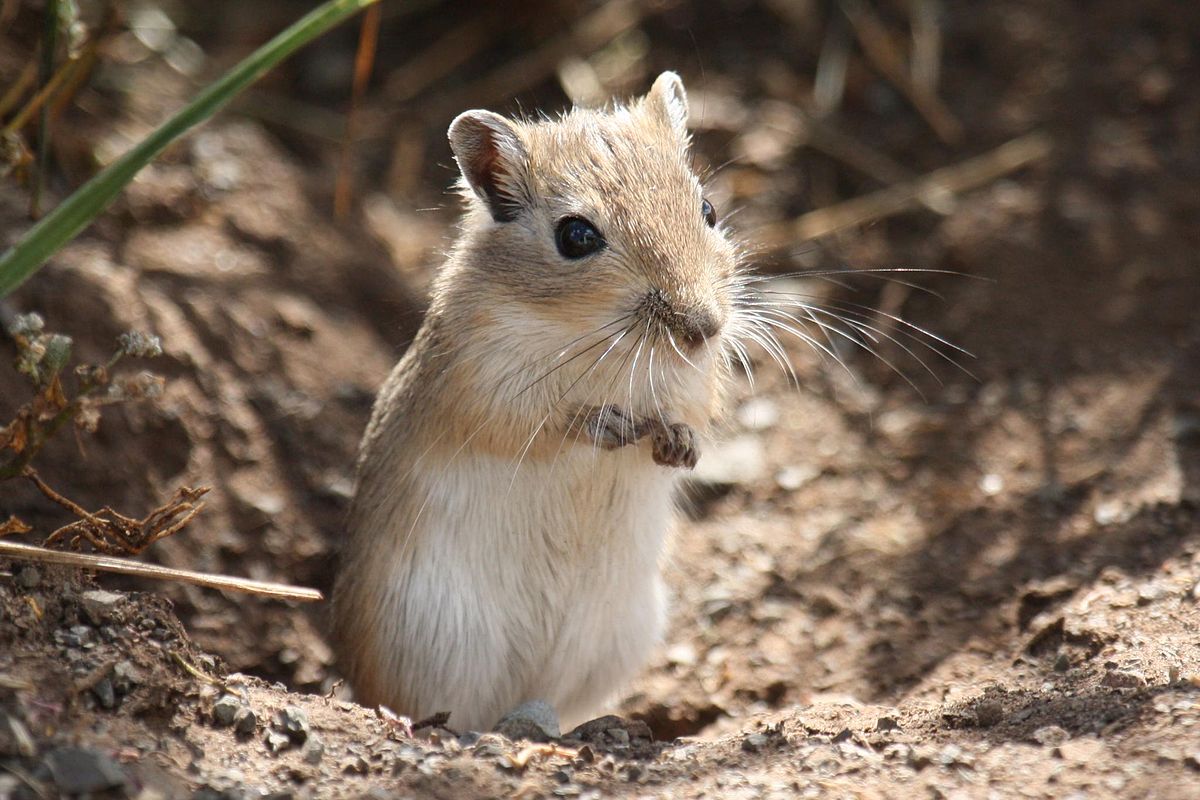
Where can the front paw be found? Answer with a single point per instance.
(675, 445)
(611, 427)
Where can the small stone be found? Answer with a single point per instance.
(1123, 679)
(755, 742)
(293, 722)
(125, 676)
(988, 713)
(29, 577)
(277, 741)
(887, 724)
(758, 414)
(535, 720)
(1050, 736)
(99, 605)
(600, 730)
(105, 695)
(683, 653)
(245, 721)
(991, 484)
(356, 765)
(740, 460)
(313, 751)
(1150, 592)
(76, 770)
(793, 477)
(618, 736)
(225, 710)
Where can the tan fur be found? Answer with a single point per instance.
(494, 553)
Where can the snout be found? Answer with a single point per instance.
(694, 326)
(691, 321)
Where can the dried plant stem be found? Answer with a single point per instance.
(364, 60)
(891, 63)
(279, 591)
(944, 182)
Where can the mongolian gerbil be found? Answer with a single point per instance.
(516, 481)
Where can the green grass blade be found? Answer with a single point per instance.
(77, 211)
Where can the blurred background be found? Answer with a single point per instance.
(868, 531)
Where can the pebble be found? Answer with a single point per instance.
(76, 770)
(755, 742)
(740, 460)
(225, 709)
(293, 722)
(313, 751)
(610, 728)
(1050, 736)
(535, 720)
(29, 577)
(105, 695)
(758, 414)
(99, 605)
(245, 721)
(125, 677)
(1122, 679)
(792, 478)
(277, 741)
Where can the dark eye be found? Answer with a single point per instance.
(710, 213)
(576, 237)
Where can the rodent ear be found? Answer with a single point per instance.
(667, 98)
(492, 160)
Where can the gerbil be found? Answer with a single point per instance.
(516, 480)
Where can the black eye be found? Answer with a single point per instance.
(710, 213)
(576, 237)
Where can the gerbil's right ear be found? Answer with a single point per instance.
(492, 159)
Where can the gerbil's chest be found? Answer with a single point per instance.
(580, 507)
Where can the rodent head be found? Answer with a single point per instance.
(595, 227)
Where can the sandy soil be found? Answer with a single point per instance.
(982, 585)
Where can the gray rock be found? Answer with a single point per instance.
(293, 722)
(755, 742)
(76, 770)
(99, 605)
(277, 741)
(29, 577)
(125, 677)
(225, 709)
(611, 729)
(758, 414)
(740, 460)
(106, 696)
(245, 721)
(313, 751)
(1123, 679)
(1050, 736)
(535, 720)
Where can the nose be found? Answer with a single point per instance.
(697, 325)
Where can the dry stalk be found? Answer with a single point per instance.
(941, 183)
(279, 591)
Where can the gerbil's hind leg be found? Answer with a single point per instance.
(611, 427)
(675, 445)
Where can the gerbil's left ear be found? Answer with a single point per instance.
(492, 159)
(668, 99)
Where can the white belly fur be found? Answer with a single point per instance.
(539, 585)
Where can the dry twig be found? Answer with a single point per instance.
(944, 182)
(877, 45)
(111, 532)
(364, 60)
(279, 591)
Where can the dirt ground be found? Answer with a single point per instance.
(921, 583)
